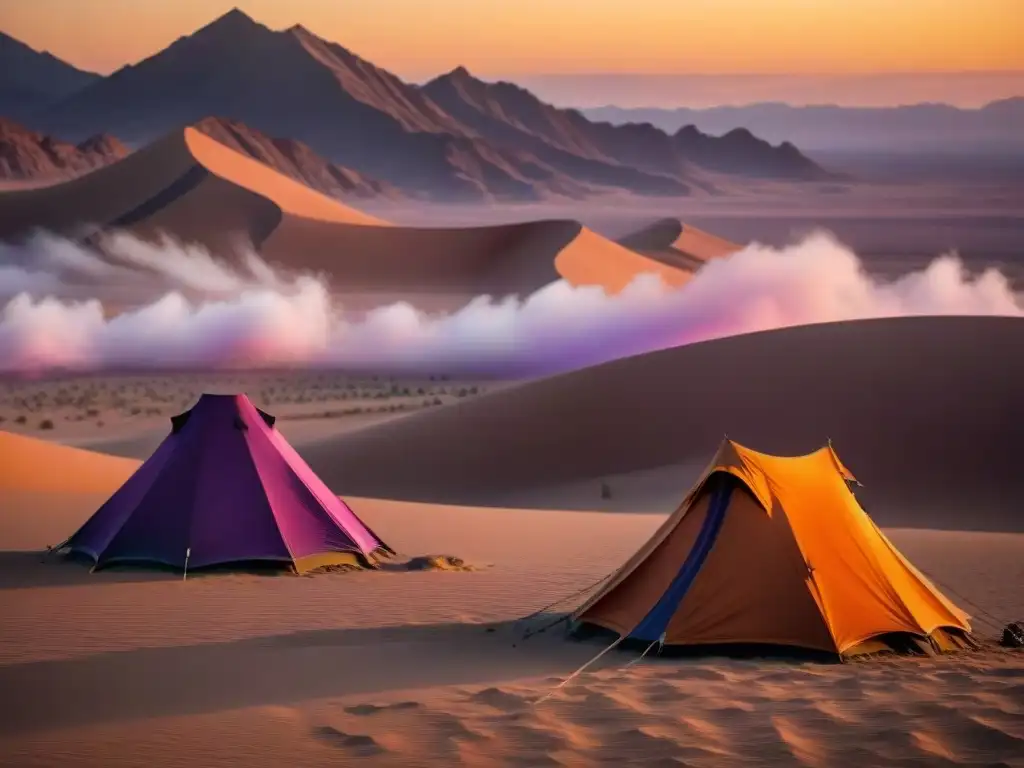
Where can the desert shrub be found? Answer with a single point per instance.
(21, 419)
(46, 424)
(606, 491)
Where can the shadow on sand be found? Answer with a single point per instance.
(27, 570)
(41, 569)
(273, 670)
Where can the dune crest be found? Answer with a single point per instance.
(289, 195)
(678, 244)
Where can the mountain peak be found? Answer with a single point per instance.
(234, 22)
(235, 16)
(301, 31)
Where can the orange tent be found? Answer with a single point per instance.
(769, 550)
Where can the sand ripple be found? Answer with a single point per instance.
(966, 712)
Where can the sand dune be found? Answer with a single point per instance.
(297, 160)
(185, 184)
(37, 465)
(924, 411)
(45, 488)
(199, 191)
(680, 245)
(97, 198)
(287, 194)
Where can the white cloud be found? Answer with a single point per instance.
(258, 317)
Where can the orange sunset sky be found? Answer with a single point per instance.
(424, 37)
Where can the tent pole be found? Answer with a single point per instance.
(188, 552)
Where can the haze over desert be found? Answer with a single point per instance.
(353, 413)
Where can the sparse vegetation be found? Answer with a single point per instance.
(94, 401)
(46, 424)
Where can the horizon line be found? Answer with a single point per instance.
(823, 73)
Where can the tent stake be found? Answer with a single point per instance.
(660, 642)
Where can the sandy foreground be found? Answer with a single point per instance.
(128, 668)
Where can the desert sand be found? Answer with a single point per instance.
(396, 668)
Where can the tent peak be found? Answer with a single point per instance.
(223, 404)
(236, 396)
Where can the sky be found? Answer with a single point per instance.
(420, 38)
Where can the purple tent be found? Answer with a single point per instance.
(226, 487)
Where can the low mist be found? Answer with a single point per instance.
(193, 311)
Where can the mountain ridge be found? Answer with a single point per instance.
(292, 83)
(997, 125)
(640, 145)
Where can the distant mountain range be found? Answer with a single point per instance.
(922, 128)
(27, 155)
(456, 138)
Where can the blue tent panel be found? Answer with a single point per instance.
(656, 621)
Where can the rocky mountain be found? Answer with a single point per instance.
(31, 79)
(27, 155)
(507, 114)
